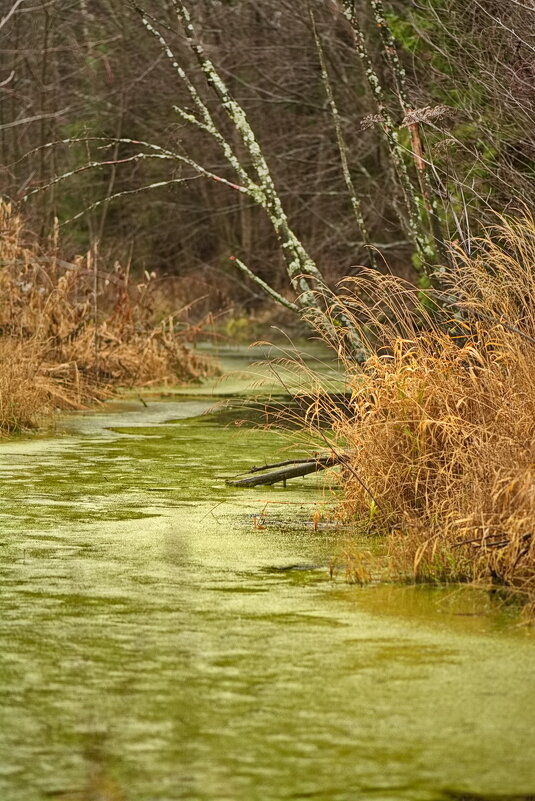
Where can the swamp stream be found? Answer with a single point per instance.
(166, 637)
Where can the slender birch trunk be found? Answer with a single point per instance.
(415, 222)
(410, 119)
(314, 300)
(342, 148)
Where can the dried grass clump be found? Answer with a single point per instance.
(21, 399)
(441, 424)
(71, 332)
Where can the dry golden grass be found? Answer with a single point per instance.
(21, 400)
(441, 422)
(71, 332)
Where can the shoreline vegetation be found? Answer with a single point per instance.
(440, 423)
(416, 141)
(73, 333)
(438, 428)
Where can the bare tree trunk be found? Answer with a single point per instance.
(318, 305)
(414, 222)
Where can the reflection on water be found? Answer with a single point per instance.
(156, 645)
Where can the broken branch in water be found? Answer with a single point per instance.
(291, 468)
(281, 464)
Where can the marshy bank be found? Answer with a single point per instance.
(72, 333)
(440, 423)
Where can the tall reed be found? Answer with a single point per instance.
(71, 332)
(440, 425)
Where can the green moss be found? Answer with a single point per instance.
(157, 644)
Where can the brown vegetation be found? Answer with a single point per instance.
(440, 426)
(70, 332)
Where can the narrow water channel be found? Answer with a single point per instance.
(157, 644)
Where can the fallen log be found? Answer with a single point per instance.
(292, 468)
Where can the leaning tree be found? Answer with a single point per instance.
(248, 172)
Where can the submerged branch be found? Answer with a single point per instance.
(295, 469)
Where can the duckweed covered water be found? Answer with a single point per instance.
(157, 645)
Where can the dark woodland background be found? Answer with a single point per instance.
(89, 68)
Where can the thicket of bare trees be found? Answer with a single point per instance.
(456, 89)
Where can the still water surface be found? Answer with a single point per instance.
(155, 644)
